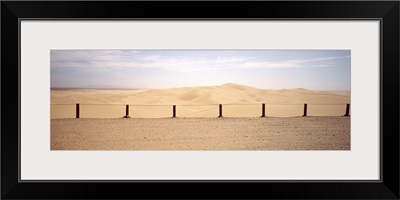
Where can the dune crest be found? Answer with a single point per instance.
(229, 93)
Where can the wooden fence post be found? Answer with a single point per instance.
(77, 110)
(263, 110)
(305, 110)
(347, 110)
(220, 110)
(127, 112)
(174, 111)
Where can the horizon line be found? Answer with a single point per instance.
(133, 88)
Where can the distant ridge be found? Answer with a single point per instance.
(237, 86)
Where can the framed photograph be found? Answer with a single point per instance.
(282, 100)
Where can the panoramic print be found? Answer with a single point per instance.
(196, 100)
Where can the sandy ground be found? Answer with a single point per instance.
(150, 126)
(291, 133)
(237, 100)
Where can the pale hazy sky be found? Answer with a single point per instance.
(316, 69)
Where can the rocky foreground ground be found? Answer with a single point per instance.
(280, 133)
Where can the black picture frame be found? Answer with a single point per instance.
(386, 11)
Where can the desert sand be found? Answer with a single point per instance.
(197, 127)
(291, 133)
(237, 100)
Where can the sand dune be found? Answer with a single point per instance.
(197, 102)
(197, 126)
